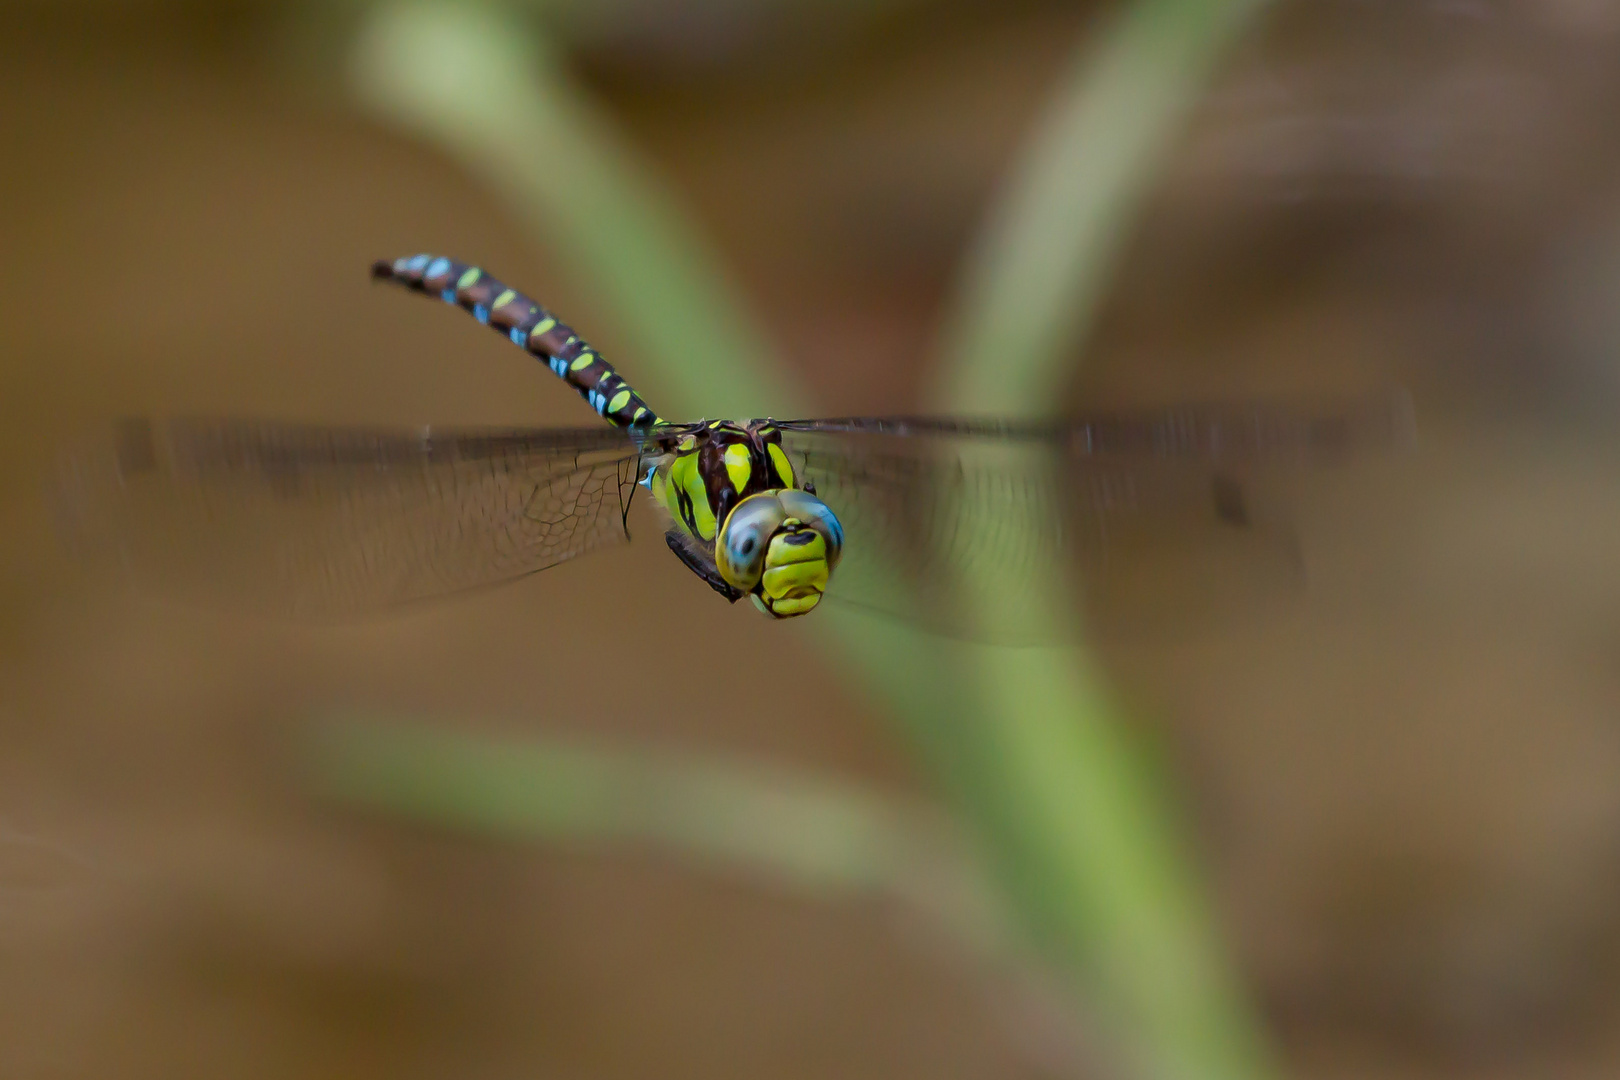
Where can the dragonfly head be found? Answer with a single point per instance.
(780, 547)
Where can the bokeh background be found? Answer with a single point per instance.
(597, 824)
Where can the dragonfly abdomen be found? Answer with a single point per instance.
(526, 324)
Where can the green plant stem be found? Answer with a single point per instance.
(481, 82)
(814, 833)
(1105, 875)
(1045, 257)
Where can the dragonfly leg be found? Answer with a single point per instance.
(716, 582)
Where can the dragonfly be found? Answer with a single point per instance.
(882, 513)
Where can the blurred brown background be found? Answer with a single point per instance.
(1405, 795)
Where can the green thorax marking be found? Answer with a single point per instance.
(712, 470)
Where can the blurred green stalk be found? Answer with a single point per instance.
(1105, 877)
(483, 84)
(817, 834)
(1023, 740)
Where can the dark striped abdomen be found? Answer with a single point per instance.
(527, 324)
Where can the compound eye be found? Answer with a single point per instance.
(739, 550)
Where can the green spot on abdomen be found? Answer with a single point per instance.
(541, 327)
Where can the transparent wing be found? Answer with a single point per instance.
(1182, 500)
(1229, 433)
(318, 522)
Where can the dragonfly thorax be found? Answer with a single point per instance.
(707, 472)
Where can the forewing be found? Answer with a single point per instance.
(924, 514)
(1231, 433)
(317, 522)
(1179, 499)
